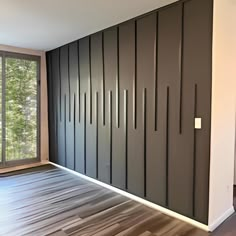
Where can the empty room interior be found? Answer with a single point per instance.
(118, 118)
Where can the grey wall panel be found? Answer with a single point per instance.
(73, 70)
(147, 78)
(62, 135)
(65, 99)
(104, 149)
(64, 71)
(85, 93)
(134, 135)
(109, 58)
(52, 143)
(103, 138)
(91, 119)
(55, 100)
(126, 77)
(96, 64)
(91, 145)
(179, 143)
(91, 136)
(144, 72)
(198, 68)
(79, 122)
(122, 105)
(84, 68)
(70, 156)
(112, 75)
(112, 88)
(66, 91)
(72, 90)
(118, 148)
(79, 136)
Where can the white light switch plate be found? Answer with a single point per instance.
(198, 123)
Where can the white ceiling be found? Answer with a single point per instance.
(47, 24)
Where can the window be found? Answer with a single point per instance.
(19, 108)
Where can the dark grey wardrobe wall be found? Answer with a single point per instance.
(122, 104)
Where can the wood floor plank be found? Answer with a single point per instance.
(51, 201)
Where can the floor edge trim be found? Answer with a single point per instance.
(221, 219)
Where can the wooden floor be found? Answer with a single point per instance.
(51, 201)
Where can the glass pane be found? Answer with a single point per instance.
(0, 109)
(21, 109)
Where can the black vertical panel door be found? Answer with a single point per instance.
(79, 134)
(122, 104)
(109, 58)
(50, 107)
(91, 119)
(85, 97)
(122, 164)
(136, 182)
(180, 116)
(96, 78)
(79, 125)
(118, 124)
(63, 67)
(69, 129)
(66, 103)
(197, 68)
(155, 162)
(72, 84)
(55, 99)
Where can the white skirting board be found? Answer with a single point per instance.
(221, 219)
(138, 199)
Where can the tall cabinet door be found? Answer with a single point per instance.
(197, 67)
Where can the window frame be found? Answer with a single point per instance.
(6, 54)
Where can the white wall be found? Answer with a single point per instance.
(223, 112)
(235, 154)
(43, 94)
